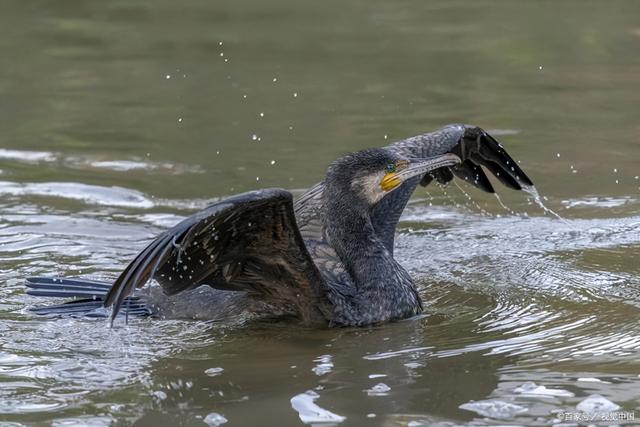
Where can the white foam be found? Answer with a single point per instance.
(310, 413)
(214, 419)
(597, 403)
(28, 156)
(494, 408)
(532, 389)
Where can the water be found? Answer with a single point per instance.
(528, 317)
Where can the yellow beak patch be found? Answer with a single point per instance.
(389, 181)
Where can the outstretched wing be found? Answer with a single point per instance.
(473, 145)
(248, 242)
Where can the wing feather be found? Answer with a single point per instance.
(249, 242)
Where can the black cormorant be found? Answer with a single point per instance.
(326, 258)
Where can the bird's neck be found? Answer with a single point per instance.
(384, 288)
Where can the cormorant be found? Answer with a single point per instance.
(327, 258)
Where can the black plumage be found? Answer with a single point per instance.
(326, 259)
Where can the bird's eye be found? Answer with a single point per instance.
(390, 168)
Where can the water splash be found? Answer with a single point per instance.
(535, 196)
(470, 199)
(505, 207)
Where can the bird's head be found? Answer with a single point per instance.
(371, 174)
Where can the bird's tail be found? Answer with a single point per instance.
(88, 298)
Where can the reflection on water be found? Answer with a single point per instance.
(120, 118)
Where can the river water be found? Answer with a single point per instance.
(120, 118)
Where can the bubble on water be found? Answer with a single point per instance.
(558, 155)
(597, 403)
(540, 67)
(310, 413)
(493, 408)
(372, 415)
(380, 389)
(179, 119)
(257, 178)
(214, 419)
(275, 79)
(272, 162)
(261, 114)
(221, 53)
(385, 136)
(168, 76)
(531, 388)
(213, 372)
(159, 394)
(220, 43)
(254, 137)
(324, 365)
(295, 94)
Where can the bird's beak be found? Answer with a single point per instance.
(416, 167)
